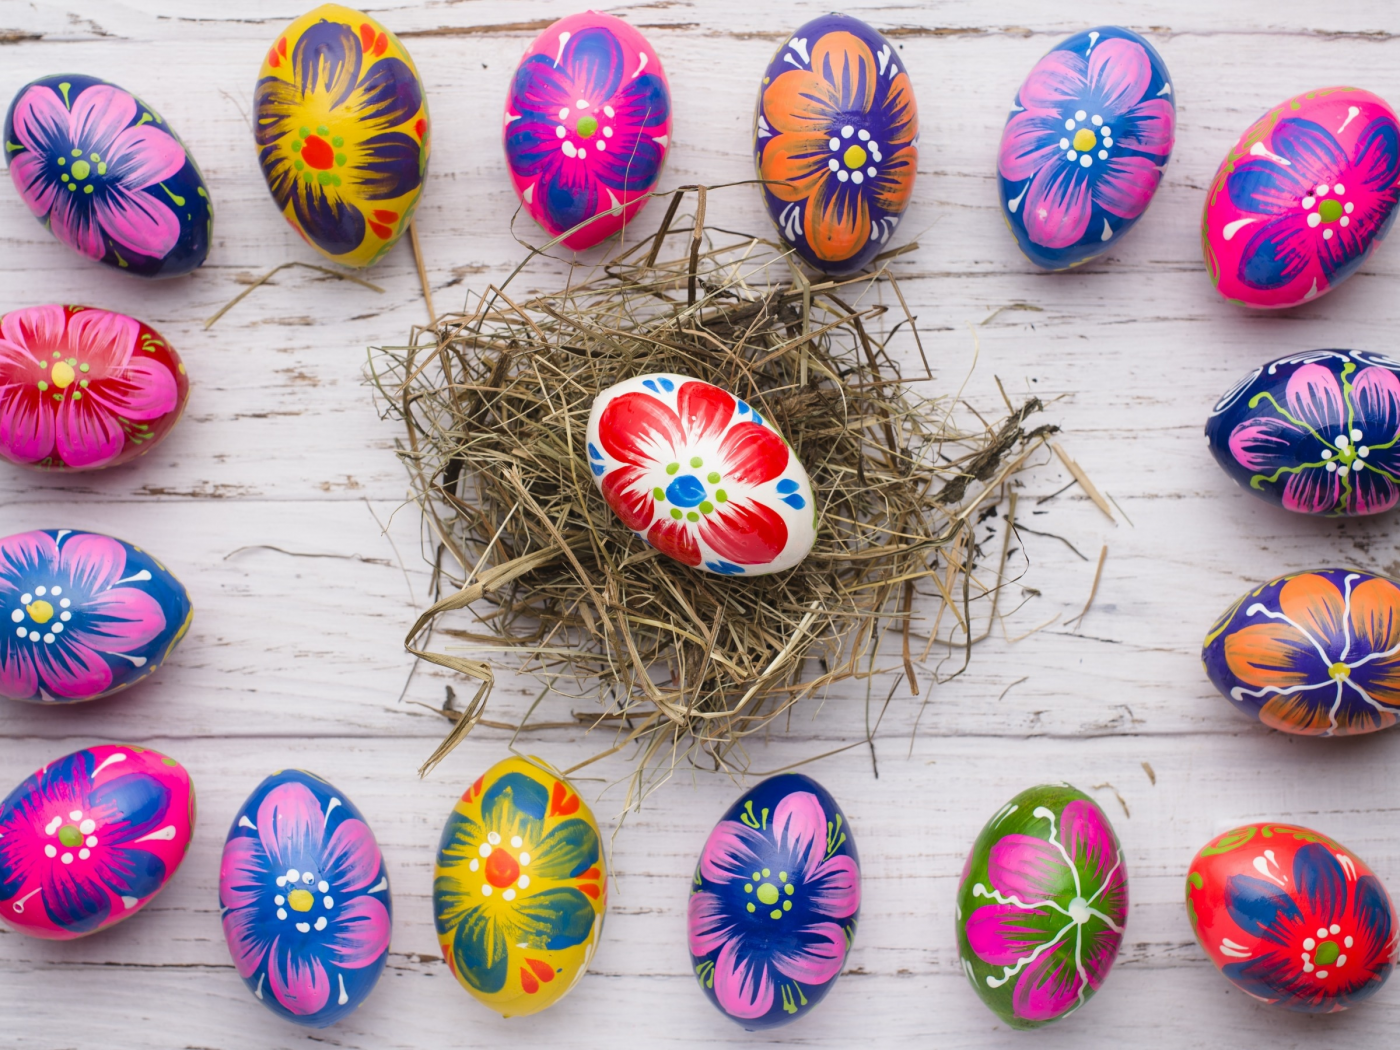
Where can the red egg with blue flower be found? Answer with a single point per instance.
(587, 127)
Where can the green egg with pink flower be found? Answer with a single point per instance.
(1042, 904)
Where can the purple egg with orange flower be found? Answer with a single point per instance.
(836, 142)
(587, 127)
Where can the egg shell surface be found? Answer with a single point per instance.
(836, 141)
(587, 126)
(90, 838)
(83, 615)
(1042, 904)
(1302, 199)
(85, 388)
(107, 176)
(1292, 917)
(1311, 653)
(1314, 432)
(701, 475)
(343, 133)
(305, 901)
(1090, 132)
(520, 887)
(775, 902)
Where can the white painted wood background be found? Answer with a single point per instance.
(298, 660)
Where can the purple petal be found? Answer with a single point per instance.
(351, 859)
(276, 104)
(1315, 397)
(1059, 77)
(1264, 187)
(531, 147)
(1046, 990)
(1028, 868)
(1029, 142)
(629, 164)
(327, 62)
(571, 196)
(813, 955)
(389, 166)
(333, 225)
(144, 156)
(360, 934)
(1000, 934)
(1119, 72)
(541, 89)
(388, 96)
(1377, 155)
(594, 59)
(643, 102)
(1057, 206)
(743, 986)
(1278, 253)
(1310, 149)
(290, 825)
(99, 115)
(1266, 443)
(1126, 186)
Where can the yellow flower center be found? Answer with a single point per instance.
(63, 375)
(40, 612)
(300, 900)
(81, 169)
(855, 156)
(1084, 140)
(1339, 670)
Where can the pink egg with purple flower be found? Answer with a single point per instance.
(587, 126)
(1303, 198)
(90, 838)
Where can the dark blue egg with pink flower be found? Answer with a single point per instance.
(107, 176)
(1083, 150)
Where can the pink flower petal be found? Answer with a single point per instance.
(1047, 989)
(72, 671)
(1030, 141)
(833, 889)
(76, 226)
(731, 852)
(87, 434)
(105, 339)
(137, 221)
(1002, 934)
(799, 825)
(1099, 954)
(1372, 491)
(31, 177)
(704, 410)
(1376, 394)
(132, 619)
(299, 984)
(745, 532)
(22, 553)
(39, 330)
(351, 859)
(742, 986)
(1312, 491)
(1315, 397)
(143, 156)
(144, 390)
(241, 931)
(707, 924)
(241, 872)
(360, 934)
(99, 115)
(814, 956)
(93, 562)
(26, 422)
(1150, 127)
(752, 454)
(1057, 206)
(18, 678)
(1126, 186)
(1059, 77)
(639, 429)
(1119, 72)
(1264, 443)
(290, 824)
(1088, 839)
(40, 119)
(1028, 869)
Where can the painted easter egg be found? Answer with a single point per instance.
(343, 134)
(701, 475)
(1314, 433)
(520, 887)
(1291, 917)
(82, 388)
(107, 176)
(1090, 131)
(1041, 906)
(587, 126)
(836, 142)
(88, 840)
(775, 902)
(305, 899)
(1302, 198)
(83, 615)
(1311, 653)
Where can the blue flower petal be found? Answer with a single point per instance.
(552, 919)
(795, 502)
(787, 485)
(516, 796)
(650, 384)
(566, 852)
(1260, 908)
(593, 451)
(597, 469)
(327, 60)
(1276, 254)
(480, 952)
(666, 384)
(388, 95)
(1320, 878)
(726, 568)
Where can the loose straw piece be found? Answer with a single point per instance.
(1094, 590)
(268, 276)
(422, 270)
(1088, 486)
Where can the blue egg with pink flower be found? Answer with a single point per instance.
(304, 897)
(1091, 130)
(775, 902)
(107, 176)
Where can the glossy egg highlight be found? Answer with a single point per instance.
(775, 902)
(89, 839)
(701, 475)
(305, 900)
(587, 126)
(836, 142)
(1315, 432)
(83, 615)
(1291, 917)
(1311, 653)
(83, 389)
(520, 887)
(1090, 132)
(343, 134)
(1302, 198)
(1042, 904)
(107, 176)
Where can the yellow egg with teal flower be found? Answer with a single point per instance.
(343, 133)
(520, 887)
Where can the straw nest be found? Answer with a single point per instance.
(685, 666)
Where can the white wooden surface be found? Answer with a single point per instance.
(297, 660)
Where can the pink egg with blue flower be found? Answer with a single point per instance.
(90, 838)
(587, 127)
(701, 475)
(1090, 132)
(305, 901)
(1302, 199)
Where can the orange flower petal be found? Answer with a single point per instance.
(895, 184)
(794, 165)
(1374, 624)
(1267, 654)
(904, 112)
(837, 224)
(1314, 604)
(845, 62)
(1305, 714)
(800, 103)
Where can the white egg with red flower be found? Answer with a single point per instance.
(701, 475)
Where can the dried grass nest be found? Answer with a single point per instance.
(684, 666)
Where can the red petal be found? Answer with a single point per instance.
(528, 982)
(674, 539)
(745, 533)
(282, 46)
(384, 215)
(381, 231)
(753, 454)
(420, 127)
(633, 505)
(705, 410)
(366, 35)
(542, 969)
(638, 429)
(562, 803)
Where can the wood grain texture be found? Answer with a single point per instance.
(295, 656)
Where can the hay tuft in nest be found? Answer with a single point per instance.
(685, 665)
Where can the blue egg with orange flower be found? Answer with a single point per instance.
(1312, 653)
(1082, 153)
(836, 142)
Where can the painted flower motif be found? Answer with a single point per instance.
(300, 904)
(1327, 661)
(1087, 137)
(1314, 226)
(843, 146)
(506, 883)
(65, 617)
(1336, 443)
(584, 133)
(84, 839)
(1325, 939)
(787, 924)
(328, 147)
(92, 174)
(73, 387)
(1051, 922)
